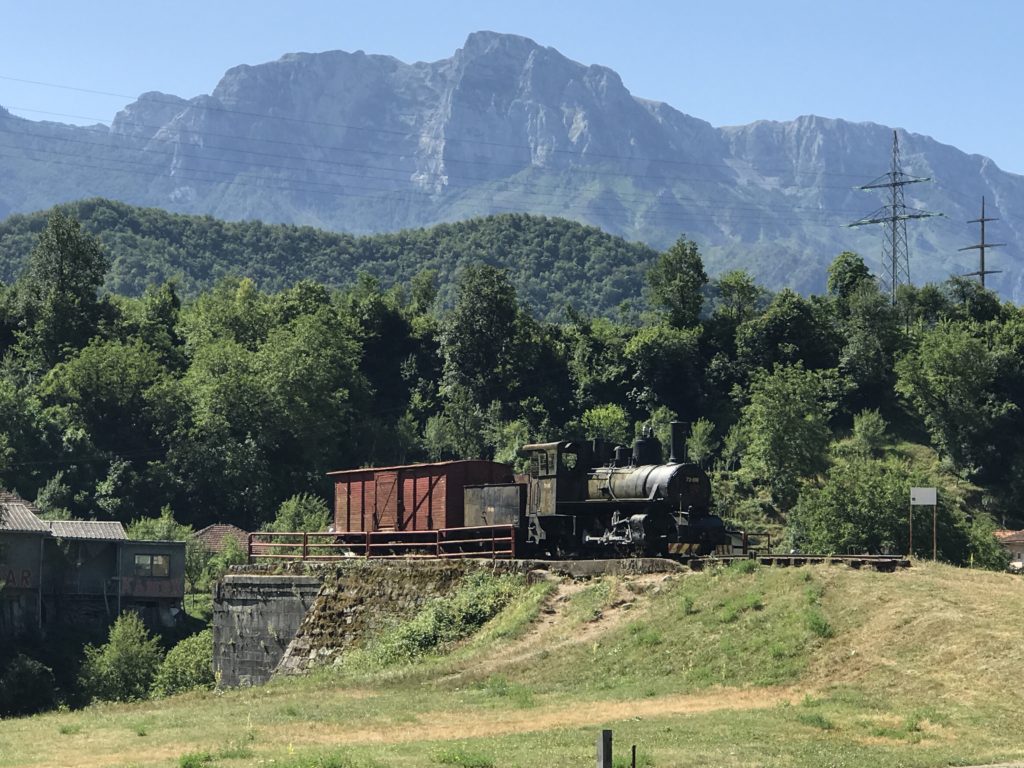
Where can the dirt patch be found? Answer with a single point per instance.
(553, 630)
(455, 725)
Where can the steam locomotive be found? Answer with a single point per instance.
(587, 499)
(579, 499)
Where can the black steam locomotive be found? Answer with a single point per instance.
(589, 499)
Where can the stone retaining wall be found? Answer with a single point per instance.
(255, 617)
(360, 597)
(267, 622)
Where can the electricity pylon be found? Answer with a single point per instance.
(980, 248)
(894, 215)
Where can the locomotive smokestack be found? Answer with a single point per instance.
(677, 442)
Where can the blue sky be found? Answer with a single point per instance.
(951, 70)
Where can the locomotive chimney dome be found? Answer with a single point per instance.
(647, 448)
(621, 456)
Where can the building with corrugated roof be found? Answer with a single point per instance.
(1013, 543)
(82, 571)
(21, 564)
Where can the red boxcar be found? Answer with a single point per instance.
(413, 497)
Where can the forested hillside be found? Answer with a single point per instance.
(814, 415)
(552, 262)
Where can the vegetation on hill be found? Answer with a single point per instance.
(732, 667)
(223, 406)
(552, 262)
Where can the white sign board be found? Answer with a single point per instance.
(923, 497)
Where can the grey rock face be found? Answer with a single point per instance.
(367, 143)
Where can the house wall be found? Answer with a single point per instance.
(158, 599)
(80, 567)
(20, 575)
(138, 584)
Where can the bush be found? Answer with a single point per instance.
(124, 667)
(218, 564)
(163, 528)
(188, 666)
(480, 597)
(302, 512)
(26, 687)
(197, 561)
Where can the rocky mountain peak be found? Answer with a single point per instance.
(144, 117)
(488, 43)
(367, 143)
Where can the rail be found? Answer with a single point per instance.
(886, 563)
(488, 541)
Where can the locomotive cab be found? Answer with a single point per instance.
(557, 477)
(558, 474)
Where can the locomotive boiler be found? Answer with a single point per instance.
(589, 499)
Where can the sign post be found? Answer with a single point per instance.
(922, 497)
(604, 749)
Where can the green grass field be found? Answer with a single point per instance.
(822, 666)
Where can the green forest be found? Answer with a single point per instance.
(271, 355)
(552, 262)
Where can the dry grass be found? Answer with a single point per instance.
(913, 669)
(934, 630)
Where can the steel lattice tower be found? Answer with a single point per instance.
(894, 215)
(980, 248)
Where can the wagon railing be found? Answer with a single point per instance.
(488, 541)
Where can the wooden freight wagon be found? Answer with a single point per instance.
(413, 497)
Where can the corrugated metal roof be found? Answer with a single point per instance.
(17, 516)
(88, 529)
(426, 465)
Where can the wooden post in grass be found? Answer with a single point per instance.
(604, 749)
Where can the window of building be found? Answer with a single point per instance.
(153, 566)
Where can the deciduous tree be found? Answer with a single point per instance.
(785, 428)
(58, 293)
(676, 282)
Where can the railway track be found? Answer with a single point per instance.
(885, 563)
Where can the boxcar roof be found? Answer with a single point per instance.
(410, 466)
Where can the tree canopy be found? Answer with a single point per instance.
(228, 398)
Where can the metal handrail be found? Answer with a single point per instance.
(494, 541)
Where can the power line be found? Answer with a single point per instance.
(521, 186)
(192, 104)
(894, 215)
(553, 207)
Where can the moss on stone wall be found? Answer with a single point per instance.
(360, 597)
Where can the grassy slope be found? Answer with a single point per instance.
(823, 666)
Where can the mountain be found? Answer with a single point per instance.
(364, 143)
